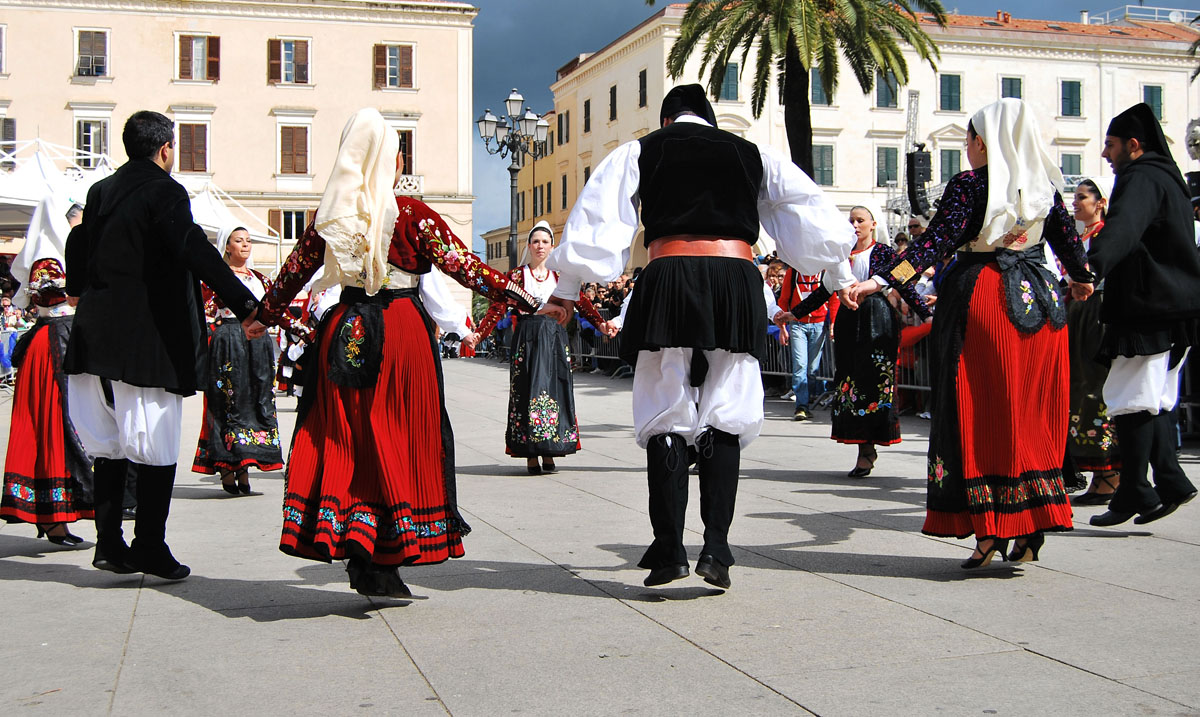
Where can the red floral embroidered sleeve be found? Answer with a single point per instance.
(299, 267)
(438, 244)
(498, 309)
(47, 283)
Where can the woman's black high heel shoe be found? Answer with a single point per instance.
(998, 546)
(66, 539)
(243, 488)
(861, 472)
(1027, 553)
(230, 488)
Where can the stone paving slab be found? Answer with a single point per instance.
(839, 605)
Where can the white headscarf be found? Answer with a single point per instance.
(880, 231)
(543, 225)
(1104, 184)
(358, 211)
(1022, 178)
(223, 243)
(46, 238)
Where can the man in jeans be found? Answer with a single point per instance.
(806, 335)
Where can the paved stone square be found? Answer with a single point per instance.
(839, 605)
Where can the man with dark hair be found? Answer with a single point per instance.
(696, 326)
(138, 342)
(1146, 253)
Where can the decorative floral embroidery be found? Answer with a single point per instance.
(392, 530)
(1053, 293)
(246, 437)
(937, 470)
(1027, 295)
(543, 418)
(225, 383)
(1100, 434)
(849, 399)
(354, 335)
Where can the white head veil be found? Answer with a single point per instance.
(223, 243)
(358, 210)
(881, 231)
(543, 225)
(46, 238)
(1022, 178)
(1104, 184)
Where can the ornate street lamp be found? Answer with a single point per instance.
(515, 135)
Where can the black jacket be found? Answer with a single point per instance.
(1146, 253)
(134, 264)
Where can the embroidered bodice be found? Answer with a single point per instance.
(420, 239)
(864, 265)
(958, 222)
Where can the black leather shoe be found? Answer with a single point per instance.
(713, 572)
(662, 576)
(1163, 510)
(114, 561)
(1112, 517)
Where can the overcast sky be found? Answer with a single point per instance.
(520, 43)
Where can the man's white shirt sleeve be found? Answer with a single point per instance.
(601, 226)
(810, 233)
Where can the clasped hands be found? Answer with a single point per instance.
(561, 310)
(252, 327)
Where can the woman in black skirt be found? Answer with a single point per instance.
(240, 429)
(541, 399)
(865, 344)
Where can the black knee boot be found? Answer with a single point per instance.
(720, 458)
(150, 552)
(666, 472)
(112, 553)
(1135, 439)
(1170, 482)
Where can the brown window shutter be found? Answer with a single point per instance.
(85, 42)
(200, 147)
(300, 149)
(274, 64)
(275, 219)
(214, 58)
(286, 160)
(300, 58)
(406, 150)
(100, 44)
(309, 216)
(186, 147)
(406, 66)
(185, 57)
(380, 58)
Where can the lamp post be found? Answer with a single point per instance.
(515, 135)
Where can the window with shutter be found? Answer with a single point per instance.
(300, 60)
(587, 116)
(406, 150)
(8, 140)
(293, 150)
(193, 148)
(91, 138)
(185, 57)
(92, 59)
(275, 219)
(214, 58)
(612, 103)
(642, 100)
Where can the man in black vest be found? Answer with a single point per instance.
(138, 342)
(1146, 253)
(696, 326)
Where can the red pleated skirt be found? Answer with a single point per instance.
(366, 474)
(38, 487)
(1013, 407)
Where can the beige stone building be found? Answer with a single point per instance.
(259, 90)
(1077, 76)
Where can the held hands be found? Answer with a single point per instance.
(1081, 291)
(850, 296)
(561, 310)
(252, 327)
(608, 328)
(471, 340)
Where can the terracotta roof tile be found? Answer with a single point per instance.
(1160, 31)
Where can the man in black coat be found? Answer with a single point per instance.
(138, 343)
(1146, 253)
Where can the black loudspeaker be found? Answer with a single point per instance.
(918, 171)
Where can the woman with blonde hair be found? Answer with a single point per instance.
(370, 476)
(998, 343)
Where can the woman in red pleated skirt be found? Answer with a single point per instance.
(47, 475)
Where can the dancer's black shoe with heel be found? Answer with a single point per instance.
(985, 557)
(65, 538)
(860, 471)
(243, 481)
(231, 487)
(1025, 548)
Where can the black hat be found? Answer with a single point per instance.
(1139, 121)
(687, 98)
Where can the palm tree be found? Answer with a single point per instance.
(796, 35)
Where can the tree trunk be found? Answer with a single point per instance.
(797, 120)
